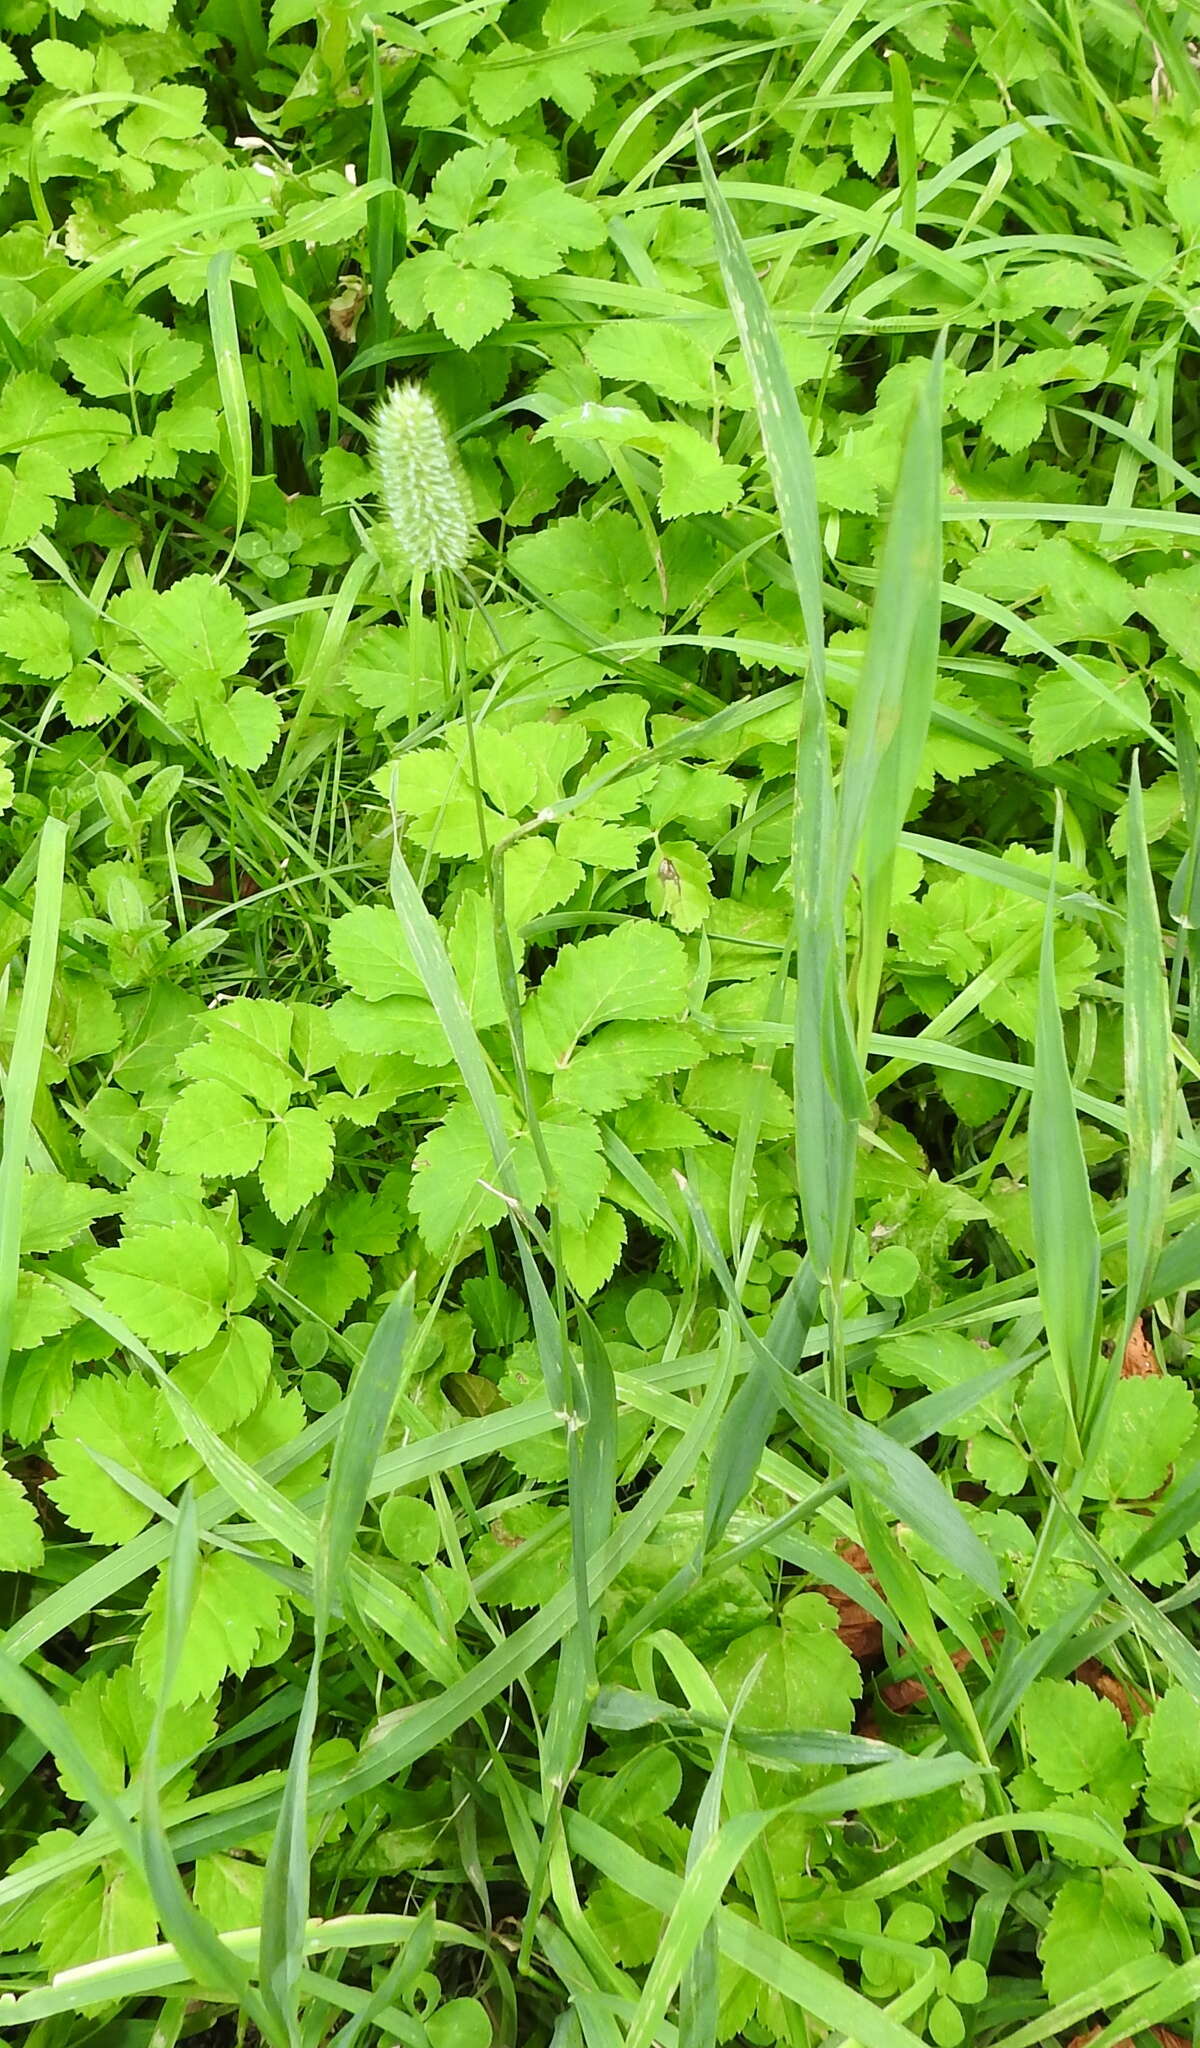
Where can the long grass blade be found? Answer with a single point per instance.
(1150, 1084)
(21, 1082)
(231, 377)
(1066, 1240)
(893, 703)
(286, 1886)
(212, 1963)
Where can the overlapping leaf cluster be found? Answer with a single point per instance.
(957, 1794)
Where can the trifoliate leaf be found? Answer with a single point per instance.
(996, 1463)
(42, 1310)
(472, 950)
(1065, 715)
(297, 1161)
(329, 1283)
(1169, 602)
(212, 1131)
(808, 1678)
(228, 1890)
(242, 728)
(405, 1025)
(664, 357)
(580, 1169)
(724, 1092)
(21, 1546)
(537, 877)
(108, 1913)
(448, 1196)
(598, 843)
(464, 301)
(36, 638)
(169, 1285)
(110, 1714)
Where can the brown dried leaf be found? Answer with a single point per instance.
(906, 1693)
(1092, 1674)
(903, 1695)
(1163, 2035)
(1139, 1362)
(857, 1628)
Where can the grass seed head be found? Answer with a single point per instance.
(421, 483)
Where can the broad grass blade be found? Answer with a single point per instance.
(828, 1091)
(398, 1981)
(747, 1424)
(231, 378)
(437, 975)
(286, 1888)
(382, 211)
(685, 1931)
(784, 1967)
(887, 1471)
(1066, 1241)
(1150, 1082)
(212, 1963)
(372, 1397)
(20, 1086)
(1183, 902)
(889, 718)
(785, 440)
(699, 1986)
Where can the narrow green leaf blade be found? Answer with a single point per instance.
(1066, 1240)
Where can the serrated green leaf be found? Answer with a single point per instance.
(196, 630)
(170, 1284)
(297, 1161)
(236, 1618)
(637, 971)
(212, 1131)
(21, 1546)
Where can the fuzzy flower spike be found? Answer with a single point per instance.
(421, 483)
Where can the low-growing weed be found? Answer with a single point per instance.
(598, 877)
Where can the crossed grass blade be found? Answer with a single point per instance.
(372, 1396)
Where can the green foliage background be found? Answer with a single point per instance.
(614, 1740)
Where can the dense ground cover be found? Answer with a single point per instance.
(597, 1206)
